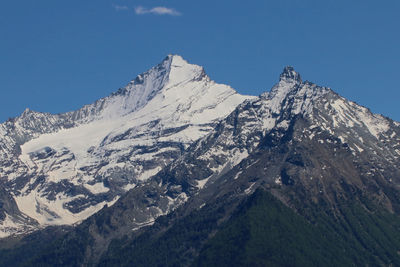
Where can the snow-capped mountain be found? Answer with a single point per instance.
(315, 151)
(323, 156)
(365, 135)
(292, 112)
(60, 169)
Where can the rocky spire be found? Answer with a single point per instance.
(290, 74)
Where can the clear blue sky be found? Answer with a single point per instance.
(57, 55)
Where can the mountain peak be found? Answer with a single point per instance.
(172, 78)
(176, 60)
(290, 74)
(174, 69)
(179, 70)
(27, 112)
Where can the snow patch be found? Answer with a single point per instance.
(97, 188)
(53, 212)
(202, 183)
(237, 175)
(249, 189)
(10, 226)
(141, 225)
(358, 148)
(374, 123)
(278, 180)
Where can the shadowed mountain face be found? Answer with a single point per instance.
(297, 176)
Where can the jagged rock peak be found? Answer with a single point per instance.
(28, 112)
(290, 74)
(292, 91)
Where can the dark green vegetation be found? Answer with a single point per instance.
(171, 241)
(259, 231)
(17, 251)
(65, 251)
(264, 232)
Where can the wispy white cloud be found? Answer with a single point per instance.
(158, 10)
(120, 8)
